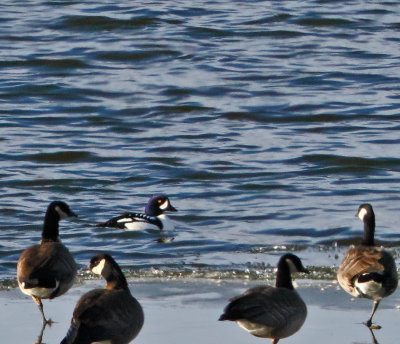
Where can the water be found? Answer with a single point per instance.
(267, 123)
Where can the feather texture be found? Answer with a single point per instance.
(106, 315)
(271, 312)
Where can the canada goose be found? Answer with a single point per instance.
(47, 270)
(111, 315)
(153, 218)
(368, 271)
(271, 312)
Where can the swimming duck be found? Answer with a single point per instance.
(271, 312)
(368, 271)
(153, 218)
(47, 270)
(111, 315)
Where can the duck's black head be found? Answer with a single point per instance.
(56, 211)
(288, 264)
(103, 264)
(158, 204)
(366, 214)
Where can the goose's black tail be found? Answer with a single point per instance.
(72, 333)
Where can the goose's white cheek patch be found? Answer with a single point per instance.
(62, 214)
(99, 267)
(362, 213)
(292, 267)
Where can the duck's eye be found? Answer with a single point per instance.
(159, 201)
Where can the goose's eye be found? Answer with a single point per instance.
(95, 262)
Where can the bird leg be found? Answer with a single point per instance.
(369, 321)
(40, 305)
(275, 341)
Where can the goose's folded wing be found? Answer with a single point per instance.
(43, 265)
(359, 260)
(267, 306)
(102, 314)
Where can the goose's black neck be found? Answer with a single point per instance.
(115, 278)
(50, 231)
(369, 230)
(283, 276)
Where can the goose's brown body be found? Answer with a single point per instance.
(368, 271)
(47, 270)
(111, 315)
(368, 260)
(271, 312)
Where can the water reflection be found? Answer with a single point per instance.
(374, 340)
(40, 337)
(164, 239)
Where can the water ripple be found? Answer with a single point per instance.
(267, 123)
(95, 23)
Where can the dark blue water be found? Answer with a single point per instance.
(266, 122)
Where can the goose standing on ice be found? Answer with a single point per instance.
(47, 270)
(368, 271)
(271, 312)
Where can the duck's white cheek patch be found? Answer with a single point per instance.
(99, 267)
(164, 205)
(362, 213)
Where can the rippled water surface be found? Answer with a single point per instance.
(266, 122)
